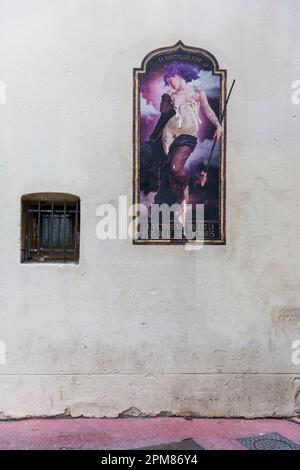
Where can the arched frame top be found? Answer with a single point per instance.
(177, 48)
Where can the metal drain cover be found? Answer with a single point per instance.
(272, 441)
(186, 444)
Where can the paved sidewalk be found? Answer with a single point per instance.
(133, 433)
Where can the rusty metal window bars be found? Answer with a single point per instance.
(50, 229)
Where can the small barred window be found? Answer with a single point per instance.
(50, 228)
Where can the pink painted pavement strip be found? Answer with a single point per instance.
(130, 433)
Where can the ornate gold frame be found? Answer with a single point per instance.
(177, 48)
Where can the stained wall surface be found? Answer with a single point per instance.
(145, 330)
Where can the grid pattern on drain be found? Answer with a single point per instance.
(272, 441)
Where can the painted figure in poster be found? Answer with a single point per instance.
(179, 101)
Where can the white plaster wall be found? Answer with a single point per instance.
(158, 329)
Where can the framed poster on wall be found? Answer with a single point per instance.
(179, 142)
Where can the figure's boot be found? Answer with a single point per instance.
(186, 196)
(203, 178)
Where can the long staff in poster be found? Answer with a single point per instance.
(203, 177)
